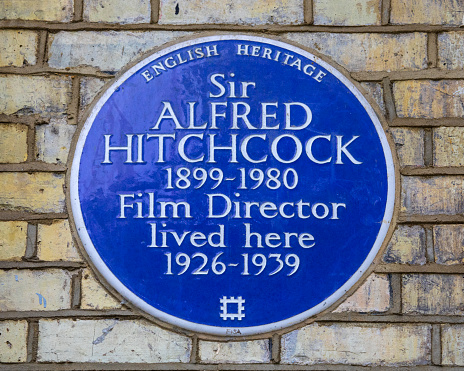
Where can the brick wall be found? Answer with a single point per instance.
(55, 56)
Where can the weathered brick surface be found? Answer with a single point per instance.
(252, 12)
(407, 246)
(432, 195)
(409, 144)
(257, 351)
(452, 340)
(55, 243)
(39, 192)
(13, 143)
(53, 141)
(347, 12)
(358, 344)
(106, 50)
(429, 99)
(109, 340)
(45, 96)
(449, 244)
(451, 50)
(17, 48)
(375, 91)
(446, 12)
(94, 295)
(43, 102)
(13, 237)
(372, 296)
(117, 11)
(13, 338)
(433, 294)
(369, 52)
(448, 144)
(23, 290)
(37, 10)
(89, 88)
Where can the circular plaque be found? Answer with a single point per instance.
(232, 185)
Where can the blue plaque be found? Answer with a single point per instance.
(232, 185)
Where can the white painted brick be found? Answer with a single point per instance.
(257, 351)
(110, 340)
(104, 50)
(372, 296)
(22, 290)
(358, 344)
(53, 141)
(347, 12)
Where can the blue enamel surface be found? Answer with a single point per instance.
(341, 245)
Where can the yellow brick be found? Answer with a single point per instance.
(13, 143)
(23, 290)
(54, 242)
(429, 99)
(372, 296)
(13, 240)
(447, 12)
(13, 341)
(32, 192)
(449, 244)
(448, 146)
(45, 96)
(94, 295)
(432, 195)
(17, 48)
(358, 344)
(37, 10)
(109, 11)
(452, 340)
(346, 12)
(407, 246)
(369, 52)
(451, 50)
(375, 91)
(253, 12)
(433, 294)
(409, 144)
